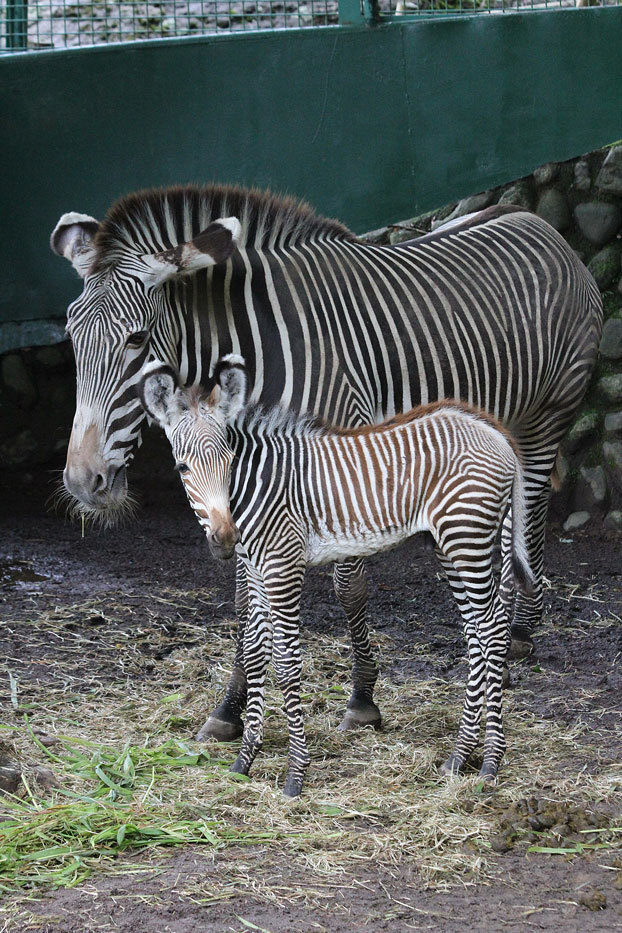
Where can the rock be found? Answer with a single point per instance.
(45, 778)
(605, 265)
(593, 899)
(10, 775)
(591, 489)
(18, 449)
(576, 520)
(597, 221)
(381, 236)
(612, 453)
(613, 521)
(16, 378)
(561, 468)
(582, 178)
(546, 173)
(609, 178)
(400, 234)
(611, 340)
(477, 202)
(553, 208)
(583, 428)
(613, 422)
(610, 388)
(518, 194)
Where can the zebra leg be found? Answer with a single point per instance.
(528, 609)
(538, 442)
(258, 633)
(350, 584)
(225, 723)
(283, 587)
(468, 733)
(494, 637)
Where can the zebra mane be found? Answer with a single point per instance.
(258, 420)
(277, 420)
(161, 218)
(443, 406)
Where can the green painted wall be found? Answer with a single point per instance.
(370, 125)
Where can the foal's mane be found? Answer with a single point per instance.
(432, 408)
(160, 218)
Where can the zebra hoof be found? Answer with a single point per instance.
(521, 645)
(220, 729)
(359, 715)
(293, 785)
(488, 774)
(452, 767)
(240, 766)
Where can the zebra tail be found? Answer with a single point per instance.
(523, 575)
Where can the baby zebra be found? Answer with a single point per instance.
(285, 491)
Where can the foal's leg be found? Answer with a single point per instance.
(351, 589)
(258, 633)
(225, 722)
(487, 630)
(283, 587)
(468, 734)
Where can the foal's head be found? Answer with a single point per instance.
(196, 425)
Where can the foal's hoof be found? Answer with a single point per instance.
(452, 767)
(220, 729)
(360, 714)
(240, 766)
(488, 774)
(521, 645)
(293, 785)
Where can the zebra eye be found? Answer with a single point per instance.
(182, 468)
(137, 339)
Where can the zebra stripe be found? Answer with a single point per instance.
(326, 494)
(497, 311)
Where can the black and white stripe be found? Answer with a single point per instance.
(300, 493)
(497, 311)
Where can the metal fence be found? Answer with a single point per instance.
(55, 24)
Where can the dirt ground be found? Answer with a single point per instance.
(575, 677)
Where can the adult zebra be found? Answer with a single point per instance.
(496, 310)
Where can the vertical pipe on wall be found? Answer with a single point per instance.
(17, 24)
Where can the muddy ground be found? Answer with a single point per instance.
(164, 547)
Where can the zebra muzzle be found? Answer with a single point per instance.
(222, 540)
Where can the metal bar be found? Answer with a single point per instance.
(17, 24)
(354, 12)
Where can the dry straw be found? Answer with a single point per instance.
(131, 779)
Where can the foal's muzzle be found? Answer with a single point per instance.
(222, 542)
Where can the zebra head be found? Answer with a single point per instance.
(196, 425)
(120, 320)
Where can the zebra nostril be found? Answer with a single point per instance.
(99, 482)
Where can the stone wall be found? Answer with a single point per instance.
(37, 398)
(581, 198)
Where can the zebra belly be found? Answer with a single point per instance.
(326, 547)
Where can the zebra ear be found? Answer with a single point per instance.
(158, 392)
(228, 396)
(72, 238)
(215, 244)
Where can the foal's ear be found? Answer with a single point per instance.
(158, 392)
(228, 397)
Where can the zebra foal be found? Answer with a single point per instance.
(286, 491)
